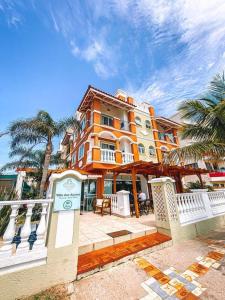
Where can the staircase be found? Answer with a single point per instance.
(104, 258)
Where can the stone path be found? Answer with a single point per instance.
(174, 285)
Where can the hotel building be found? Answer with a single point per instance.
(116, 130)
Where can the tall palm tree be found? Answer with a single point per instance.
(26, 158)
(41, 129)
(204, 125)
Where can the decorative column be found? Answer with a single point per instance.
(19, 183)
(24, 246)
(123, 203)
(165, 207)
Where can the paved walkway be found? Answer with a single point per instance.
(94, 229)
(126, 281)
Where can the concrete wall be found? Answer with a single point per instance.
(145, 136)
(61, 267)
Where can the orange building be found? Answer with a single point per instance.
(113, 133)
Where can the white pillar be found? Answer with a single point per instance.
(19, 183)
(165, 207)
(123, 203)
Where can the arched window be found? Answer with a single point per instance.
(141, 148)
(138, 121)
(147, 124)
(151, 150)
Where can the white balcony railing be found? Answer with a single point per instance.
(108, 156)
(23, 239)
(114, 202)
(127, 158)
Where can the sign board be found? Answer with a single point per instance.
(67, 194)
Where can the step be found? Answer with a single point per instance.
(99, 260)
(106, 240)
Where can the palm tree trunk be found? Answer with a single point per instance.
(48, 153)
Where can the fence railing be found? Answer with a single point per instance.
(108, 156)
(127, 157)
(191, 207)
(24, 238)
(199, 206)
(114, 202)
(217, 202)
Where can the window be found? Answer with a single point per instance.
(83, 123)
(74, 158)
(147, 124)
(141, 148)
(107, 120)
(81, 152)
(107, 146)
(151, 150)
(138, 121)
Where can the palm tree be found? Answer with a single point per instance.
(31, 159)
(41, 129)
(205, 125)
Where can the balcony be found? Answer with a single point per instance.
(108, 156)
(124, 125)
(127, 158)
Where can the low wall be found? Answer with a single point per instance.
(188, 215)
(181, 233)
(60, 267)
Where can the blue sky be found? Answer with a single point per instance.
(158, 51)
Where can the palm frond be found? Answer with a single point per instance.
(196, 151)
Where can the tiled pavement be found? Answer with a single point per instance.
(94, 229)
(97, 259)
(174, 285)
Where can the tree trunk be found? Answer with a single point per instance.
(48, 153)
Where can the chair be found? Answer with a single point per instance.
(102, 205)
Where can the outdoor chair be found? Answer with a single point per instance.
(102, 205)
(149, 206)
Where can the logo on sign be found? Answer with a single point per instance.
(67, 204)
(69, 184)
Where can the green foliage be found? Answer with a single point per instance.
(197, 185)
(205, 125)
(39, 130)
(5, 212)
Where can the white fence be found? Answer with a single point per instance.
(108, 156)
(25, 242)
(127, 158)
(114, 202)
(198, 206)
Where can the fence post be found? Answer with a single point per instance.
(123, 203)
(165, 207)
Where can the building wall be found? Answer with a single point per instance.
(145, 136)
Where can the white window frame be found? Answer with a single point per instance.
(73, 158)
(109, 118)
(137, 120)
(83, 123)
(141, 146)
(151, 150)
(81, 152)
(148, 124)
(108, 144)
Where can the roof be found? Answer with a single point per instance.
(51, 171)
(167, 122)
(150, 168)
(66, 138)
(110, 99)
